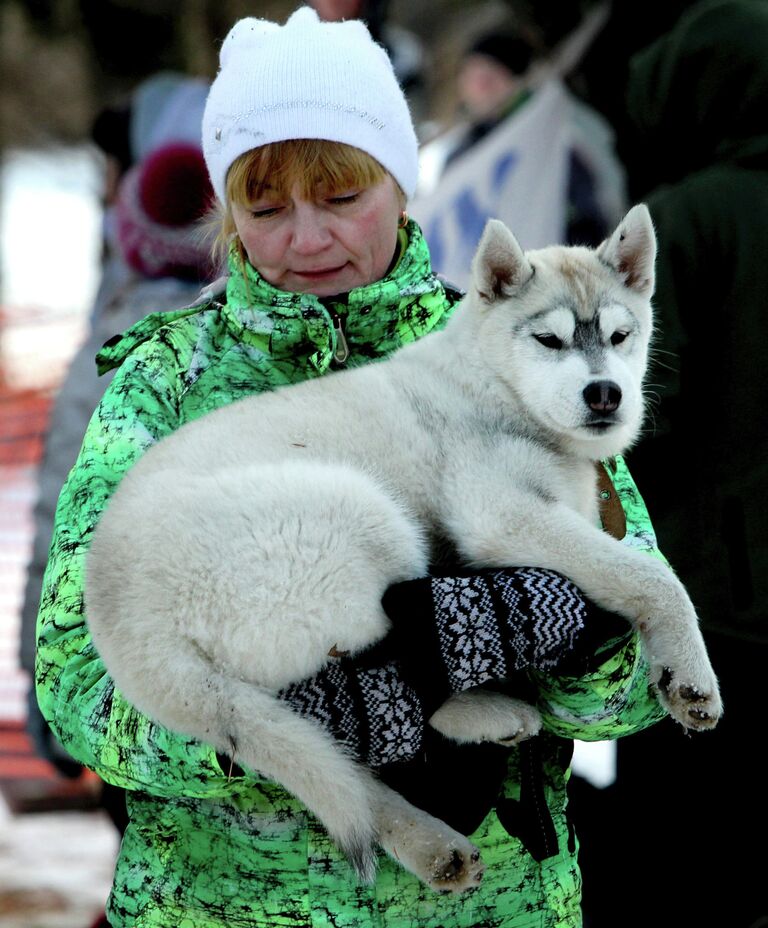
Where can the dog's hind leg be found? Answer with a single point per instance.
(357, 810)
(439, 856)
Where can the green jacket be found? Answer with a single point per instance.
(206, 851)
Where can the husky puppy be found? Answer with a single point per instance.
(243, 548)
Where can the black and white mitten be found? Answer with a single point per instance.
(365, 703)
(448, 634)
(461, 631)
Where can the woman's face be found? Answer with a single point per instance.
(327, 244)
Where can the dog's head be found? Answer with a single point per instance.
(567, 330)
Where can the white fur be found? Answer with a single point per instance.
(242, 549)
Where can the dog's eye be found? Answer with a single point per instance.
(549, 341)
(618, 337)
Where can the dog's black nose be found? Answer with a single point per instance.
(602, 396)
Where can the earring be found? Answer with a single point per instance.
(403, 221)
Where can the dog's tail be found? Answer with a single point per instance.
(263, 735)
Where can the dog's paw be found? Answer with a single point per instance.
(456, 868)
(527, 721)
(680, 667)
(483, 715)
(441, 857)
(693, 700)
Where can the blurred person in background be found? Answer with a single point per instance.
(156, 189)
(490, 85)
(697, 100)
(110, 133)
(499, 75)
(524, 149)
(325, 270)
(165, 107)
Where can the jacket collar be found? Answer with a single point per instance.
(376, 319)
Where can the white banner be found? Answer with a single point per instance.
(518, 173)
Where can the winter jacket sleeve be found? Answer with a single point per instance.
(614, 696)
(91, 719)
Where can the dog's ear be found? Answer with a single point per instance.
(631, 251)
(499, 266)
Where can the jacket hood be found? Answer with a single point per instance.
(697, 96)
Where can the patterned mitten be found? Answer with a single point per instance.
(364, 703)
(461, 631)
(449, 634)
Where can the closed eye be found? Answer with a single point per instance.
(344, 198)
(264, 213)
(618, 337)
(549, 341)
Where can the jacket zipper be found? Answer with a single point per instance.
(341, 351)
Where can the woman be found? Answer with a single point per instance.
(311, 152)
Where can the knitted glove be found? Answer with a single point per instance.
(365, 703)
(462, 631)
(449, 634)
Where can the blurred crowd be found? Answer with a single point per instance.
(610, 109)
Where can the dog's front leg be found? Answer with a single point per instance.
(523, 528)
(439, 856)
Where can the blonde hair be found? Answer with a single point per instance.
(311, 163)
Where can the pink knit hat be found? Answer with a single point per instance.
(158, 207)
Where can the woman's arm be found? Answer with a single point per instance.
(614, 699)
(76, 695)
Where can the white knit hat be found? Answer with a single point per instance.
(306, 80)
